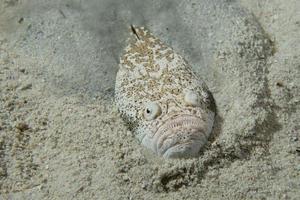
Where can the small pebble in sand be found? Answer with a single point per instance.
(26, 86)
(22, 126)
(279, 83)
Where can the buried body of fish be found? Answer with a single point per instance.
(169, 108)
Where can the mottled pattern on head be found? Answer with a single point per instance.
(156, 89)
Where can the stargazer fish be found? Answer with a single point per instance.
(166, 105)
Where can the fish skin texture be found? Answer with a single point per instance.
(165, 104)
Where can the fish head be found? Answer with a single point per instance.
(176, 126)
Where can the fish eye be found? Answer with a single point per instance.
(152, 111)
(191, 98)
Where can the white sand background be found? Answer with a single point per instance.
(60, 133)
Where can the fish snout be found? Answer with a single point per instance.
(183, 144)
(182, 137)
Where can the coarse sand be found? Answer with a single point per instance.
(61, 136)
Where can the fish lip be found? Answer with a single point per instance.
(166, 153)
(196, 141)
(181, 123)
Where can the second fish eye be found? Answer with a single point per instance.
(191, 98)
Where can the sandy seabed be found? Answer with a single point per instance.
(61, 136)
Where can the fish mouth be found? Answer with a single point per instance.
(181, 137)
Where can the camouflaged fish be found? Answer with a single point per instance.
(168, 108)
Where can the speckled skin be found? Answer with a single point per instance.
(153, 79)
